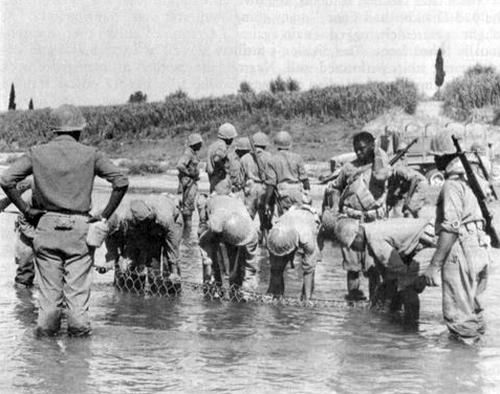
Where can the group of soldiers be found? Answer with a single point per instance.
(372, 208)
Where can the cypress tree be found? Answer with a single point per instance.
(30, 106)
(12, 98)
(440, 74)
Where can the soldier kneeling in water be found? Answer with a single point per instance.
(401, 249)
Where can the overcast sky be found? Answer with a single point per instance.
(95, 52)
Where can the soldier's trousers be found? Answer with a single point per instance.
(63, 268)
(464, 276)
(189, 191)
(25, 260)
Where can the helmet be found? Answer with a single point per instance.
(242, 143)
(346, 230)
(283, 140)
(194, 139)
(282, 240)
(140, 211)
(260, 139)
(237, 229)
(68, 118)
(227, 131)
(442, 144)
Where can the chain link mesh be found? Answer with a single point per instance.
(150, 282)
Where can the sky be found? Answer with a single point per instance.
(94, 52)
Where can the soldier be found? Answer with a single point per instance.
(255, 176)
(236, 175)
(189, 175)
(228, 241)
(462, 255)
(406, 192)
(397, 246)
(23, 248)
(287, 178)
(63, 172)
(359, 192)
(146, 235)
(295, 231)
(219, 160)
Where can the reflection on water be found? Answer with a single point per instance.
(190, 344)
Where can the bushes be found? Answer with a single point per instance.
(479, 87)
(180, 114)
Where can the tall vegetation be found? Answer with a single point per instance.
(137, 97)
(478, 87)
(355, 103)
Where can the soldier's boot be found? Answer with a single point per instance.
(353, 291)
(411, 305)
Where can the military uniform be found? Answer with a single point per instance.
(295, 232)
(406, 192)
(218, 167)
(189, 175)
(63, 172)
(149, 240)
(226, 227)
(287, 173)
(464, 272)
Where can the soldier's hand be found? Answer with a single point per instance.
(95, 218)
(33, 214)
(432, 275)
(174, 278)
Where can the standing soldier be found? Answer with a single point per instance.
(63, 172)
(236, 175)
(255, 175)
(360, 193)
(189, 175)
(462, 255)
(219, 160)
(295, 231)
(287, 178)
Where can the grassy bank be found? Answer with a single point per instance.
(320, 120)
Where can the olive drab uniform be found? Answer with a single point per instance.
(465, 270)
(255, 188)
(235, 174)
(287, 173)
(189, 175)
(406, 192)
(63, 172)
(361, 198)
(153, 245)
(229, 250)
(296, 232)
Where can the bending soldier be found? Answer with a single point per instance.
(146, 235)
(219, 160)
(359, 192)
(63, 172)
(463, 250)
(294, 233)
(228, 241)
(189, 175)
(286, 175)
(406, 192)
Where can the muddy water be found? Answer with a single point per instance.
(192, 345)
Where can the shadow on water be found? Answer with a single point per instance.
(196, 345)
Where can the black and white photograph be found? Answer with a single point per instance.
(249, 196)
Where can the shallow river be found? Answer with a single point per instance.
(189, 344)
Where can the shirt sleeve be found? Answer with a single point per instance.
(182, 164)
(107, 170)
(17, 172)
(271, 177)
(301, 169)
(339, 183)
(452, 200)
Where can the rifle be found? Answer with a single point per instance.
(478, 192)
(392, 161)
(486, 175)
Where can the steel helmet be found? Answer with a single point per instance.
(283, 140)
(227, 131)
(282, 240)
(237, 229)
(346, 230)
(68, 118)
(260, 139)
(141, 211)
(242, 143)
(442, 144)
(194, 139)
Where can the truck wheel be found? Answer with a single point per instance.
(435, 177)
